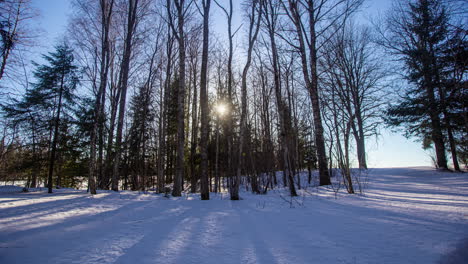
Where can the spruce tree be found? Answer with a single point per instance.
(41, 110)
(419, 36)
(54, 89)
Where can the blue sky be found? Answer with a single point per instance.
(388, 150)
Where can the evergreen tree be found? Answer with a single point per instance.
(140, 135)
(453, 95)
(420, 33)
(53, 90)
(31, 120)
(44, 106)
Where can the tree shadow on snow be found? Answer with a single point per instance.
(457, 256)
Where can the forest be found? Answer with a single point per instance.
(141, 94)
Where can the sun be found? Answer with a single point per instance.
(221, 109)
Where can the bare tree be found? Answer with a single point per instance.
(164, 97)
(181, 13)
(312, 19)
(255, 11)
(354, 71)
(229, 99)
(123, 85)
(194, 54)
(15, 17)
(205, 193)
(106, 17)
(286, 134)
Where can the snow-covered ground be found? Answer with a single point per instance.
(406, 215)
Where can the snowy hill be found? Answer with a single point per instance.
(406, 215)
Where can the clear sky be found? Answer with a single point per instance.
(388, 150)
(53, 21)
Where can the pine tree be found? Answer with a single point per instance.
(44, 106)
(54, 87)
(30, 120)
(421, 34)
(139, 135)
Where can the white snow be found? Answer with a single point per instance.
(406, 215)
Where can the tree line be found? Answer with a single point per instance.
(142, 95)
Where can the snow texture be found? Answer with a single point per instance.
(406, 215)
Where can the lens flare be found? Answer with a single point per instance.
(221, 109)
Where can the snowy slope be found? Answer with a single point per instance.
(407, 215)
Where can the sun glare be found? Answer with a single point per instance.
(221, 109)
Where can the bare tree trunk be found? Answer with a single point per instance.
(194, 141)
(180, 36)
(361, 148)
(217, 176)
(314, 97)
(35, 168)
(123, 85)
(266, 128)
(283, 110)
(205, 193)
(55, 138)
(230, 106)
(254, 26)
(163, 120)
(106, 14)
(311, 81)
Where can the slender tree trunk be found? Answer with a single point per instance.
(349, 179)
(253, 32)
(194, 141)
(359, 137)
(123, 85)
(163, 120)
(314, 97)
(283, 110)
(217, 176)
(55, 138)
(311, 81)
(205, 193)
(34, 172)
(230, 105)
(180, 36)
(98, 124)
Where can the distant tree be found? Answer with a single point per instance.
(353, 74)
(139, 135)
(143, 115)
